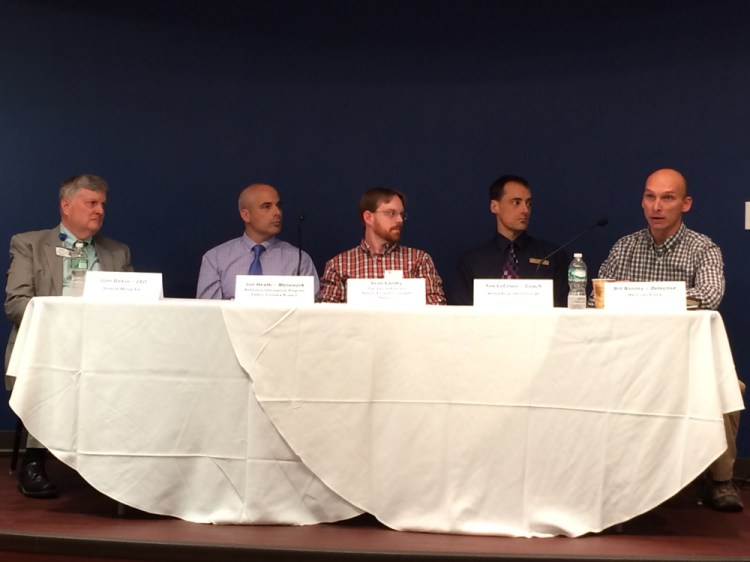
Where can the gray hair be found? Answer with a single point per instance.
(70, 187)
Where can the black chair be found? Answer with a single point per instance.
(17, 438)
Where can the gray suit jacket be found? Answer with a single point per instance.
(37, 271)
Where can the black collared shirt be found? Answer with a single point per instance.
(486, 262)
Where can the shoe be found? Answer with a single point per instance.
(33, 481)
(722, 496)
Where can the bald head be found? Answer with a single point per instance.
(668, 177)
(260, 210)
(253, 191)
(665, 199)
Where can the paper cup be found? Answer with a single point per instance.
(599, 291)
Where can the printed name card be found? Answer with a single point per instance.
(661, 296)
(123, 286)
(513, 294)
(275, 290)
(391, 291)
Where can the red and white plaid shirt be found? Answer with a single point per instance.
(362, 263)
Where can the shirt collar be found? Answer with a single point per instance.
(387, 248)
(503, 243)
(670, 242)
(267, 244)
(70, 238)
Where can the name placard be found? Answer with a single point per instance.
(275, 290)
(664, 296)
(513, 294)
(123, 286)
(391, 292)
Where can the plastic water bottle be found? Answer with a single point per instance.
(79, 265)
(577, 282)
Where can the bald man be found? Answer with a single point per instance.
(257, 251)
(668, 251)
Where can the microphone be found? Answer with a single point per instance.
(601, 222)
(300, 219)
(63, 237)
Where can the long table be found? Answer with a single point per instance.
(444, 419)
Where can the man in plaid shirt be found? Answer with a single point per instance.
(668, 251)
(382, 213)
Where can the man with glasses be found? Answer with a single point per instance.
(511, 253)
(382, 213)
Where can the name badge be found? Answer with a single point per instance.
(389, 292)
(661, 296)
(274, 290)
(513, 294)
(123, 286)
(63, 252)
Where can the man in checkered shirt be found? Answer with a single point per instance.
(669, 251)
(382, 213)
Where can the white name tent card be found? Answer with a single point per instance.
(123, 286)
(275, 290)
(656, 296)
(391, 291)
(513, 294)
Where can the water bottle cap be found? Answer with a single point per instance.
(578, 255)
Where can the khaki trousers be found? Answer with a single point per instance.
(723, 467)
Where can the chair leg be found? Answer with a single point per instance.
(16, 446)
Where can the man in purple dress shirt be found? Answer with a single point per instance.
(260, 210)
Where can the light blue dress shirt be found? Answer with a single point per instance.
(221, 265)
(68, 243)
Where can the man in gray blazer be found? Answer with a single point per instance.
(38, 268)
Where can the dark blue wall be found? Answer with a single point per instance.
(180, 104)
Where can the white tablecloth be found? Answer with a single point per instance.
(149, 404)
(444, 419)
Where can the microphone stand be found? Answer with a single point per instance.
(299, 243)
(600, 222)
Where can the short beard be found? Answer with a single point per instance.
(394, 235)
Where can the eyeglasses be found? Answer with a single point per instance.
(391, 214)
